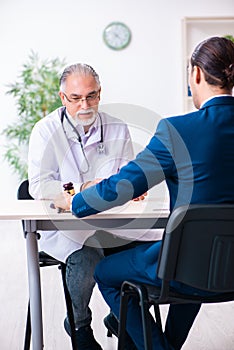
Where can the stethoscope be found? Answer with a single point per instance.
(100, 147)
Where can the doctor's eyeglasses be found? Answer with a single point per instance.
(90, 98)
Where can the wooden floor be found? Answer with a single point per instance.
(212, 330)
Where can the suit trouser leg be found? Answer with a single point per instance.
(109, 274)
(179, 322)
(139, 264)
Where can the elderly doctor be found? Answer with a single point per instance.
(76, 143)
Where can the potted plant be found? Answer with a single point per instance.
(230, 37)
(36, 94)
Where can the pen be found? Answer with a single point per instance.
(59, 210)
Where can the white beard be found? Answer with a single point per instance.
(86, 122)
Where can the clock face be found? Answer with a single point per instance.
(117, 35)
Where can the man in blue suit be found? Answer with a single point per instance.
(194, 153)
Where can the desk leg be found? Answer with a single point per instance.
(34, 290)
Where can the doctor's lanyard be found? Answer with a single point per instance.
(100, 147)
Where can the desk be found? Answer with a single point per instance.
(37, 215)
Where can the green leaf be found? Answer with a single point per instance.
(36, 94)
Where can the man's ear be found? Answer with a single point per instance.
(197, 74)
(61, 95)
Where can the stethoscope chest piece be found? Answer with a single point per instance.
(101, 148)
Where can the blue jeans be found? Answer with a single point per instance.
(140, 264)
(80, 282)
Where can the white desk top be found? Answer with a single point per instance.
(40, 210)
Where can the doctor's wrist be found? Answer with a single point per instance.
(85, 185)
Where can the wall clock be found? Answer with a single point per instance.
(117, 35)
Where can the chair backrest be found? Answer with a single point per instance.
(198, 247)
(23, 191)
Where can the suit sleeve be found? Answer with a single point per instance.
(148, 169)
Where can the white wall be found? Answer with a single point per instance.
(148, 73)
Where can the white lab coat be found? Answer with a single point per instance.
(55, 158)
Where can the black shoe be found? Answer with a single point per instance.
(112, 324)
(84, 337)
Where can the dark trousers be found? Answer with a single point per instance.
(80, 269)
(112, 244)
(139, 264)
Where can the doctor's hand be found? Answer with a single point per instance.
(63, 201)
(140, 198)
(88, 184)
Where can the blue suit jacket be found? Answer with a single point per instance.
(194, 153)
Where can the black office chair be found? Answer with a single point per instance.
(198, 250)
(47, 260)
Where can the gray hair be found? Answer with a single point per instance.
(80, 69)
